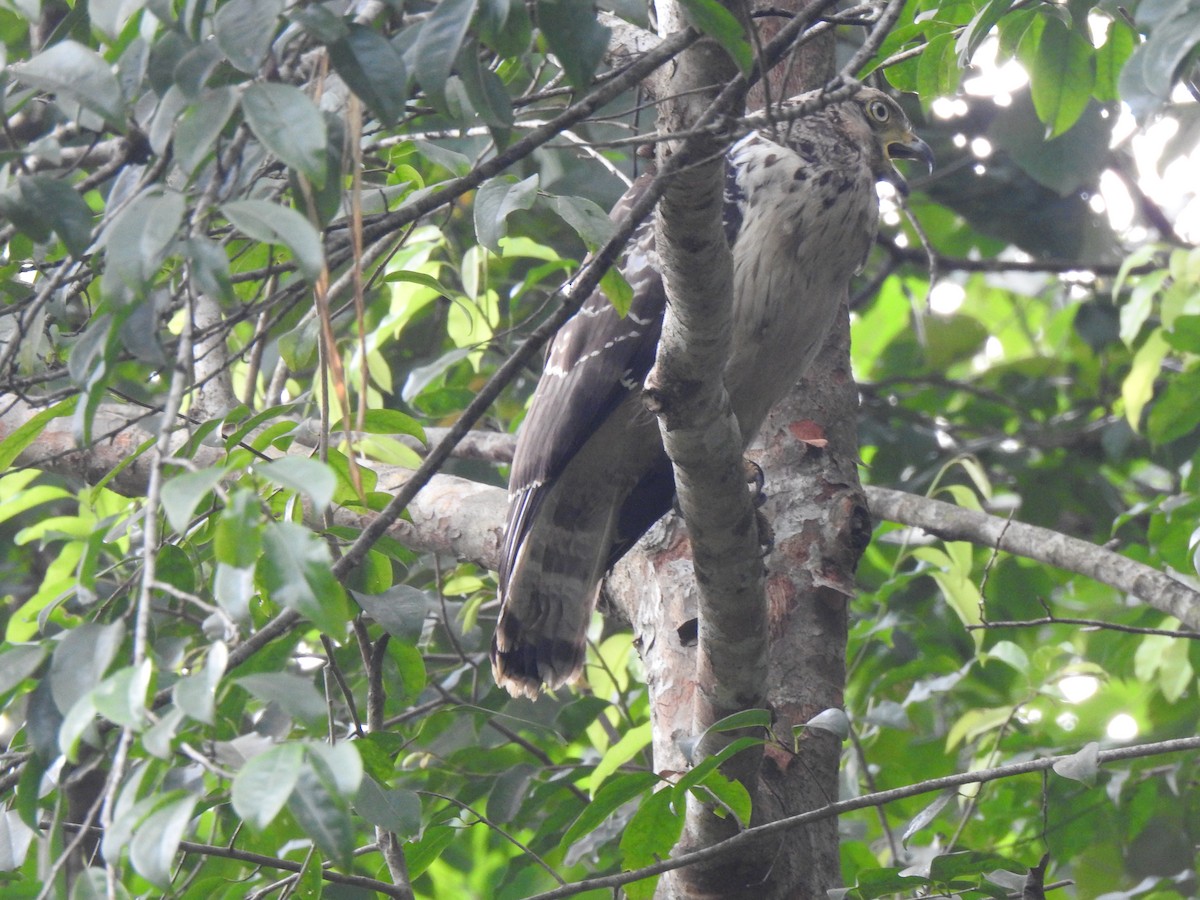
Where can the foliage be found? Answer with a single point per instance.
(243, 216)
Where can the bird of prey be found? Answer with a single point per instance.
(590, 475)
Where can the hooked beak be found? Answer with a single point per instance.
(912, 147)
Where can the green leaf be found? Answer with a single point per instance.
(81, 659)
(980, 27)
(158, 738)
(289, 125)
(276, 224)
(152, 850)
(421, 278)
(401, 610)
(321, 22)
(509, 793)
(310, 883)
(1137, 310)
(196, 694)
(632, 742)
(485, 90)
(715, 20)
(701, 770)
(976, 722)
(392, 421)
(233, 588)
(938, 72)
(872, 883)
(373, 69)
(617, 290)
(296, 570)
(133, 804)
(1062, 77)
(201, 124)
(731, 795)
(294, 695)
(832, 720)
(136, 242)
(15, 838)
(396, 810)
(238, 539)
(440, 39)
(322, 811)
(1138, 386)
(1013, 28)
(308, 476)
(411, 676)
(574, 36)
(121, 697)
(340, 764)
(24, 435)
(649, 836)
(505, 27)
(18, 662)
(1163, 661)
(958, 589)
(263, 785)
(589, 221)
(77, 720)
(109, 16)
(28, 791)
(1165, 51)
(245, 30)
(422, 853)
(39, 205)
(183, 493)
(1110, 60)
(1175, 413)
(747, 718)
(71, 70)
(969, 863)
(614, 794)
(495, 199)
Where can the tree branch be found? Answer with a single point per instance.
(274, 862)
(686, 390)
(952, 522)
(747, 839)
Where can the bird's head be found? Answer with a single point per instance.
(891, 136)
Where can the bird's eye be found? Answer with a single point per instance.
(879, 110)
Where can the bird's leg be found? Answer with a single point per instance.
(756, 479)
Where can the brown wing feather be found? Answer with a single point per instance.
(562, 507)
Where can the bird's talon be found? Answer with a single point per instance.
(756, 479)
(766, 532)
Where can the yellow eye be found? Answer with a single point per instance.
(879, 110)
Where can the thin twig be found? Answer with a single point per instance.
(752, 836)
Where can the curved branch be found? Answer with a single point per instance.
(952, 522)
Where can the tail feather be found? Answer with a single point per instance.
(549, 586)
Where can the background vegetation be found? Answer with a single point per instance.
(258, 255)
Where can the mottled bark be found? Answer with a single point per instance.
(701, 434)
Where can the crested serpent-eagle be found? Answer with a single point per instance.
(590, 475)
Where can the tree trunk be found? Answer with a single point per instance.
(818, 510)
